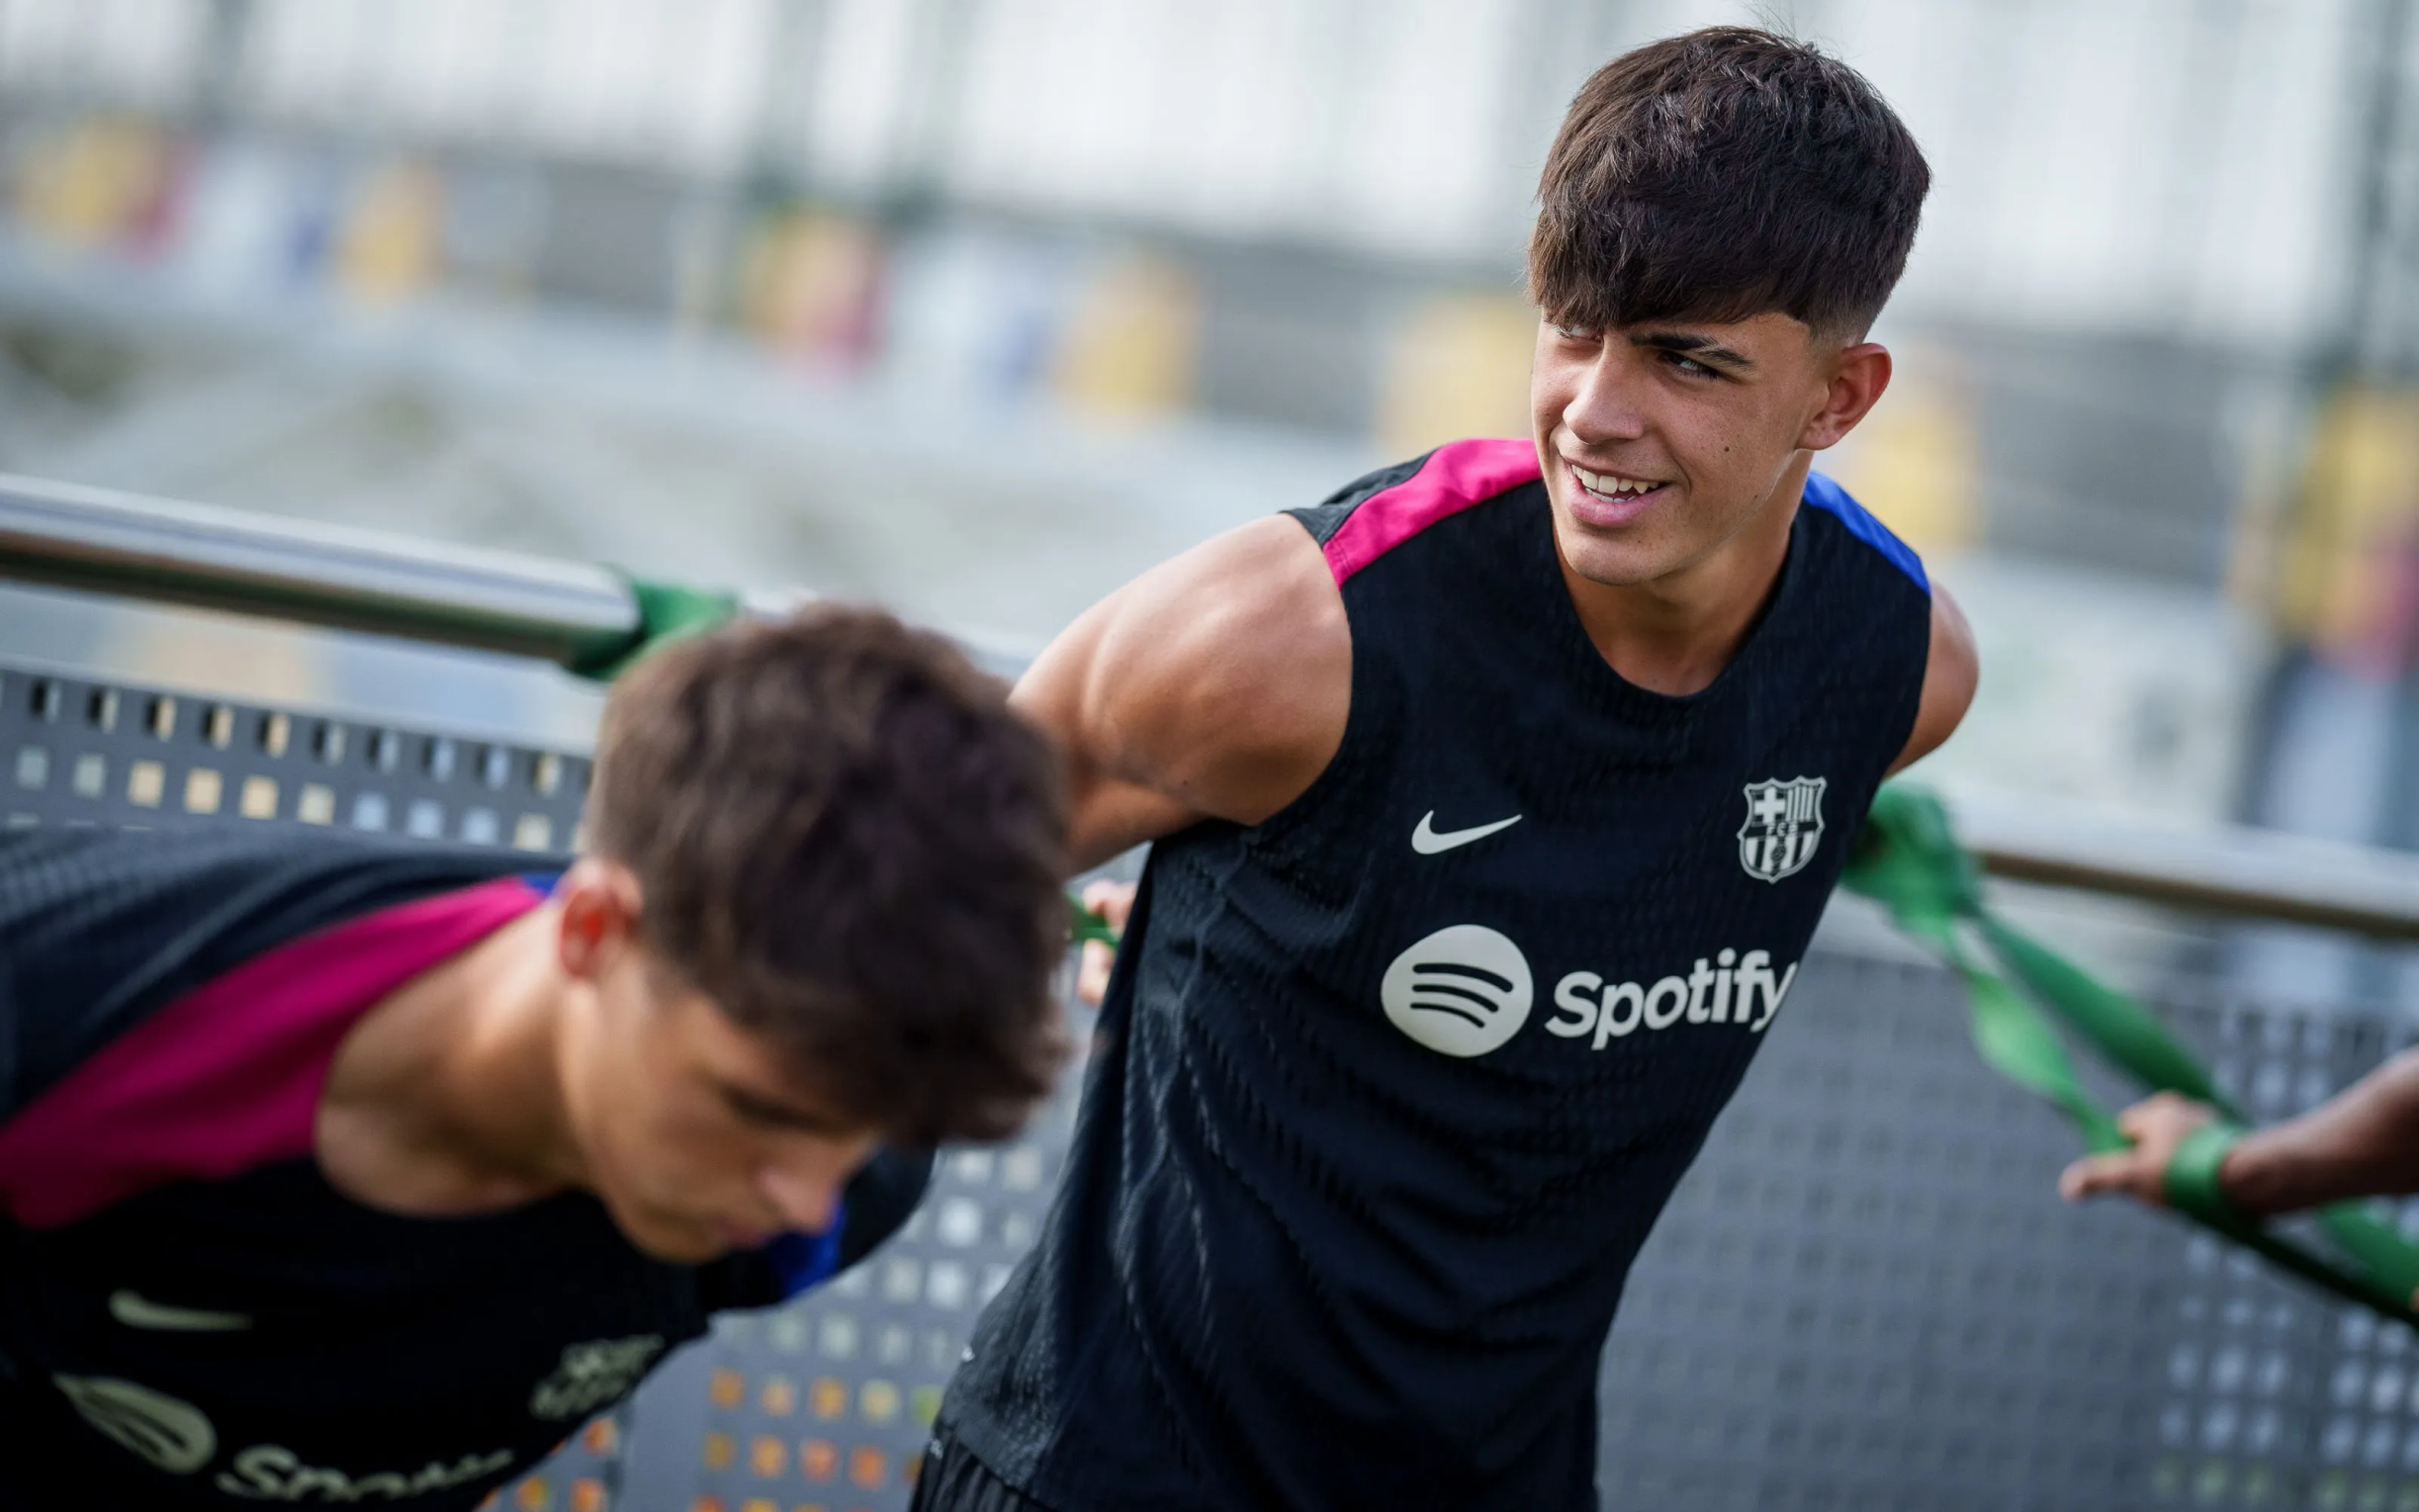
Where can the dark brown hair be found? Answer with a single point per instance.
(1723, 175)
(843, 838)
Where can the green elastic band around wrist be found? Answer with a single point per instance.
(2192, 1182)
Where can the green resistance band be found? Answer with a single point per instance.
(1908, 859)
(667, 612)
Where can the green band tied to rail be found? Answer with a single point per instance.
(1908, 859)
(667, 612)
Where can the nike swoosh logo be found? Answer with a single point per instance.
(1427, 842)
(134, 1311)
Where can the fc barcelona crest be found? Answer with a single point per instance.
(1784, 826)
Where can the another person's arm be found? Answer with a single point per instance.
(2363, 1142)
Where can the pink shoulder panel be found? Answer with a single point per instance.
(227, 1077)
(1455, 477)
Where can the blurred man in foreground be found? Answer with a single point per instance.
(336, 1169)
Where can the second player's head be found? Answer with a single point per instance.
(1721, 218)
(822, 909)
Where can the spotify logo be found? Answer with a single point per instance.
(171, 1434)
(1462, 991)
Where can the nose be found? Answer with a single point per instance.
(1602, 407)
(804, 1200)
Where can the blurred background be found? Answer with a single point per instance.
(979, 307)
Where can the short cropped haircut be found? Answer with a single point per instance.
(1721, 175)
(843, 838)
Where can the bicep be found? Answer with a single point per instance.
(1950, 672)
(1214, 686)
(1108, 811)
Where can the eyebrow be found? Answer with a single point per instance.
(1701, 348)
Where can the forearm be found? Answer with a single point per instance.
(2363, 1142)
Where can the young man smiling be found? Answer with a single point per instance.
(340, 1170)
(1495, 800)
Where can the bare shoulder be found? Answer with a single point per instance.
(1236, 595)
(1219, 680)
(1951, 673)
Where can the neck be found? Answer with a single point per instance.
(447, 1098)
(1675, 634)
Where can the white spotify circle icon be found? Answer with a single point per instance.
(171, 1434)
(1462, 991)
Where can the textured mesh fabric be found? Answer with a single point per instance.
(952, 1479)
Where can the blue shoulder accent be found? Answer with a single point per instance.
(1834, 499)
(542, 882)
(800, 1261)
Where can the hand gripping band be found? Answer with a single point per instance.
(1908, 859)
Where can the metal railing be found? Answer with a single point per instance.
(64, 536)
(92, 539)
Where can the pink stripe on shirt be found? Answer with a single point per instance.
(228, 1077)
(1455, 477)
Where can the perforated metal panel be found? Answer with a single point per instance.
(74, 751)
(1865, 1294)
(2269, 1397)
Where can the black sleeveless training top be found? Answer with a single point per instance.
(1388, 1089)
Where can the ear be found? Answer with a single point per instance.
(599, 918)
(1858, 377)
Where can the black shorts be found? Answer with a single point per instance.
(952, 1479)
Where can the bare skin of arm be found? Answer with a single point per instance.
(1214, 687)
(2363, 1142)
(1950, 676)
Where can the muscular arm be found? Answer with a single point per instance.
(1949, 675)
(1214, 687)
(2363, 1142)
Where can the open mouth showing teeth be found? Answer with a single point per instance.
(1612, 488)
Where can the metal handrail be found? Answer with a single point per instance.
(2206, 867)
(63, 535)
(66, 536)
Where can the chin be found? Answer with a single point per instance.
(671, 1239)
(1615, 567)
(1617, 559)
(677, 1245)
